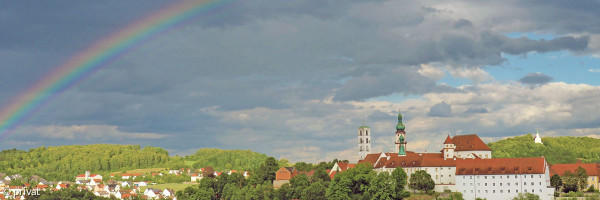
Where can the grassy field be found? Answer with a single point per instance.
(142, 170)
(174, 186)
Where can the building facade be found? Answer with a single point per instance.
(503, 178)
(364, 141)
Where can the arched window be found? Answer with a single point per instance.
(360, 133)
(361, 140)
(367, 133)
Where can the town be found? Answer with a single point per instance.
(463, 165)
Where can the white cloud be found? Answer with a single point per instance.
(594, 70)
(432, 72)
(477, 75)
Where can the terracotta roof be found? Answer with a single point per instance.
(83, 175)
(448, 140)
(332, 174)
(290, 169)
(469, 143)
(592, 169)
(500, 166)
(370, 158)
(413, 159)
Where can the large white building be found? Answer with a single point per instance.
(465, 165)
(503, 178)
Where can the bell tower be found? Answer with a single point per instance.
(364, 141)
(400, 141)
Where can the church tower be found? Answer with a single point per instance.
(364, 141)
(448, 149)
(400, 137)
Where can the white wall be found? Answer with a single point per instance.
(501, 187)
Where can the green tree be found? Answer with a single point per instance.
(556, 182)
(381, 187)
(570, 182)
(284, 192)
(315, 191)
(320, 175)
(421, 180)
(299, 183)
(399, 182)
(266, 171)
(303, 167)
(527, 196)
(582, 177)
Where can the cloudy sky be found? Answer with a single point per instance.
(294, 79)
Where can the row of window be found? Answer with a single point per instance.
(500, 176)
(502, 191)
(366, 133)
(494, 184)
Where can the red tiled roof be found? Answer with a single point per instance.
(448, 140)
(332, 174)
(500, 166)
(83, 175)
(370, 158)
(469, 143)
(413, 159)
(592, 169)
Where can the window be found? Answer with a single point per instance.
(464, 184)
(484, 177)
(517, 191)
(478, 184)
(485, 184)
(367, 133)
(540, 190)
(486, 191)
(540, 183)
(507, 177)
(515, 176)
(436, 175)
(500, 184)
(501, 191)
(531, 176)
(525, 190)
(516, 183)
(493, 177)
(471, 191)
(493, 184)
(471, 184)
(508, 191)
(541, 176)
(508, 184)
(524, 183)
(493, 191)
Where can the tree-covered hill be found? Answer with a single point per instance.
(219, 159)
(65, 162)
(555, 149)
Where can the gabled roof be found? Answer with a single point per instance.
(592, 169)
(469, 143)
(500, 166)
(370, 158)
(290, 169)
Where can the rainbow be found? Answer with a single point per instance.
(98, 55)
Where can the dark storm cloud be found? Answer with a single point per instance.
(403, 81)
(440, 110)
(536, 78)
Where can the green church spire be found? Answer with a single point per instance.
(400, 126)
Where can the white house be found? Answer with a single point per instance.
(141, 183)
(196, 177)
(467, 146)
(88, 176)
(503, 178)
(168, 192)
(152, 193)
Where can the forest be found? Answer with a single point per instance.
(65, 162)
(220, 160)
(556, 150)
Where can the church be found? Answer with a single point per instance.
(464, 164)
